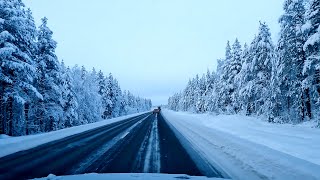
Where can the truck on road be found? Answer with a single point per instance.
(157, 110)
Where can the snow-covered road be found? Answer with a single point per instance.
(140, 144)
(230, 146)
(247, 148)
(62, 155)
(150, 143)
(9, 145)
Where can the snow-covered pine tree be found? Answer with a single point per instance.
(48, 82)
(210, 87)
(311, 68)
(288, 102)
(78, 76)
(284, 86)
(200, 93)
(86, 87)
(242, 80)
(245, 52)
(102, 92)
(70, 104)
(139, 102)
(177, 101)
(220, 64)
(124, 104)
(17, 35)
(110, 97)
(130, 103)
(193, 95)
(118, 98)
(31, 47)
(92, 99)
(173, 102)
(223, 88)
(261, 68)
(257, 84)
(185, 98)
(235, 68)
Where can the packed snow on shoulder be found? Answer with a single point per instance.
(133, 176)
(4, 136)
(15, 144)
(250, 148)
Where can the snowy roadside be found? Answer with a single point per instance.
(248, 147)
(10, 145)
(131, 176)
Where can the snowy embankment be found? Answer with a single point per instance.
(246, 147)
(11, 145)
(131, 176)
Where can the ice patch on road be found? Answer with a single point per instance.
(124, 135)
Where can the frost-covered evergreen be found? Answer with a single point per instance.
(197, 96)
(311, 68)
(288, 95)
(102, 91)
(209, 94)
(200, 94)
(49, 111)
(227, 87)
(224, 89)
(260, 69)
(85, 88)
(38, 93)
(281, 83)
(110, 96)
(17, 42)
(70, 103)
(235, 67)
(242, 84)
(118, 98)
(242, 81)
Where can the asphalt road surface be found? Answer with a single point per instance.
(141, 144)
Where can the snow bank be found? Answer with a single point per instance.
(4, 136)
(133, 176)
(251, 148)
(15, 144)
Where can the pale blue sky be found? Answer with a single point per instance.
(152, 46)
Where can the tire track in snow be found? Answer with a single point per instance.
(152, 159)
(81, 167)
(148, 157)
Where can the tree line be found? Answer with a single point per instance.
(279, 81)
(38, 93)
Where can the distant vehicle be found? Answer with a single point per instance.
(157, 110)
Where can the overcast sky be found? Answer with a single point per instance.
(152, 46)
